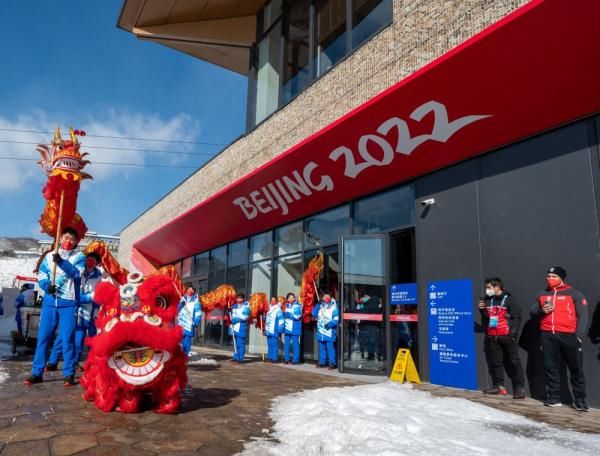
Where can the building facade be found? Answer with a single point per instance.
(420, 145)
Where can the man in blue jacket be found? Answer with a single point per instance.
(292, 329)
(59, 307)
(274, 324)
(328, 317)
(190, 316)
(240, 312)
(86, 324)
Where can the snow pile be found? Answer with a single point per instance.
(3, 375)
(202, 362)
(10, 267)
(389, 419)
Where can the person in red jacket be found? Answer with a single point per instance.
(563, 315)
(501, 317)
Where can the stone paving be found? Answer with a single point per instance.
(223, 406)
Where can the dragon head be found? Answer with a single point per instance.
(63, 158)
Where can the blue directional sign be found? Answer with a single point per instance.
(451, 334)
(403, 293)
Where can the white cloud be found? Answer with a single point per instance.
(16, 174)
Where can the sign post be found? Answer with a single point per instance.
(451, 334)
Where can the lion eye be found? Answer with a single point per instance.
(161, 302)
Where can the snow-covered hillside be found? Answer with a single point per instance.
(15, 259)
(10, 267)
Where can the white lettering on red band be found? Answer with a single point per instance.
(373, 150)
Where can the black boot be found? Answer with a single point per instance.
(33, 380)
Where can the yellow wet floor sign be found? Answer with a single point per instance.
(404, 368)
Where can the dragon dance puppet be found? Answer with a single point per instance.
(63, 163)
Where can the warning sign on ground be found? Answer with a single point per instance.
(404, 368)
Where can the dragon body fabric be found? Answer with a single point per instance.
(308, 288)
(136, 358)
(63, 163)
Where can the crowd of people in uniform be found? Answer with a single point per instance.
(281, 319)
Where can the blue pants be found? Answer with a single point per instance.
(81, 332)
(240, 348)
(295, 340)
(19, 321)
(186, 344)
(273, 348)
(65, 319)
(327, 353)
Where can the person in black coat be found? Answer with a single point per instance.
(501, 318)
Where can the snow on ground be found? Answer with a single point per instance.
(3, 374)
(202, 362)
(389, 419)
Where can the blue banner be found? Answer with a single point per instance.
(451, 334)
(403, 293)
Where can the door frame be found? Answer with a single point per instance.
(385, 298)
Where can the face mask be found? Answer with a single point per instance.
(553, 282)
(67, 245)
(89, 262)
(490, 292)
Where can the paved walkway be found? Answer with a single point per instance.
(224, 405)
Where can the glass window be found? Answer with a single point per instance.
(324, 228)
(331, 33)
(296, 76)
(267, 74)
(329, 278)
(261, 246)
(288, 272)
(186, 267)
(288, 238)
(260, 278)
(236, 277)
(238, 253)
(218, 258)
(216, 279)
(269, 14)
(385, 211)
(368, 17)
(201, 263)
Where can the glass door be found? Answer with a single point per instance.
(363, 304)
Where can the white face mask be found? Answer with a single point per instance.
(490, 292)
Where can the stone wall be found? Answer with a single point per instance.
(422, 30)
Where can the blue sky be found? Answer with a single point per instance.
(66, 63)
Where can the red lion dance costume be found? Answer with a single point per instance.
(136, 356)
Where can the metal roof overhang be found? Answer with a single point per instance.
(217, 31)
(536, 69)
